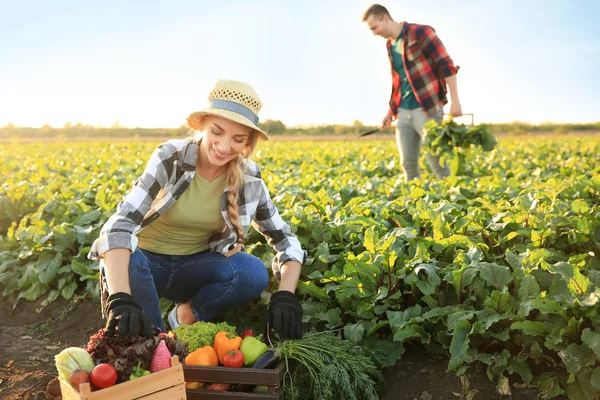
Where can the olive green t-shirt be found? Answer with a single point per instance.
(186, 227)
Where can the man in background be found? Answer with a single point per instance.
(421, 69)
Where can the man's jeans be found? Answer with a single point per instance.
(212, 282)
(409, 133)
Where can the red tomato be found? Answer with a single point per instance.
(103, 375)
(233, 359)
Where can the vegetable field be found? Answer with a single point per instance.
(499, 267)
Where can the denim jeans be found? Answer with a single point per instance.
(210, 281)
(409, 133)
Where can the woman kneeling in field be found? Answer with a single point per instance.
(178, 233)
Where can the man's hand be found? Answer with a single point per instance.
(125, 316)
(284, 315)
(455, 109)
(387, 121)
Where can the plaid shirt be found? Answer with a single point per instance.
(426, 62)
(168, 174)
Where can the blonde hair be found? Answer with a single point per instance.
(235, 179)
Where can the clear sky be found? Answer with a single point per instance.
(150, 63)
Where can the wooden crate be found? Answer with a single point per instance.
(271, 378)
(167, 384)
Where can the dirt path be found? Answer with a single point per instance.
(31, 339)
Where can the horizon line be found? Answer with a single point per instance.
(117, 125)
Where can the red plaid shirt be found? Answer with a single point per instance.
(426, 62)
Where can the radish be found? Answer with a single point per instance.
(161, 358)
(79, 376)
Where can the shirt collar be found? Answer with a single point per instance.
(190, 156)
(403, 28)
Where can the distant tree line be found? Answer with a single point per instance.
(274, 127)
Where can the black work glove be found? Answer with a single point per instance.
(125, 316)
(284, 315)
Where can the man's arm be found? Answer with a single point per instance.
(436, 51)
(455, 107)
(387, 120)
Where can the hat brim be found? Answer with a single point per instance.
(194, 121)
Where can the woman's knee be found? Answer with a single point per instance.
(138, 263)
(254, 277)
(262, 277)
(138, 258)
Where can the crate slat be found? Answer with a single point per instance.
(173, 393)
(167, 384)
(271, 378)
(250, 376)
(211, 395)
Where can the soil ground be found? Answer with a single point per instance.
(30, 338)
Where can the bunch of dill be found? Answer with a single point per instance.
(330, 367)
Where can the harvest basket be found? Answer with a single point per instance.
(271, 378)
(167, 384)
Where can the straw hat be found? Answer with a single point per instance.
(236, 101)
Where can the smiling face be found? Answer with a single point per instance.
(379, 25)
(223, 141)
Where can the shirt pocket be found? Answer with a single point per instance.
(413, 51)
(249, 213)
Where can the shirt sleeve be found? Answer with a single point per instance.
(120, 229)
(278, 233)
(435, 49)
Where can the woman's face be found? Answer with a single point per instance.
(224, 140)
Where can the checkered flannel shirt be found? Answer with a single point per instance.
(426, 62)
(168, 174)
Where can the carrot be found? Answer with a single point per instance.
(161, 358)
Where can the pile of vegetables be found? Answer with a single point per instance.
(107, 361)
(226, 349)
(321, 365)
(452, 140)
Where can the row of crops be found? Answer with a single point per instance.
(500, 266)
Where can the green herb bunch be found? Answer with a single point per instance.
(330, 367)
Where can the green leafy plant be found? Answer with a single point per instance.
(499, 267)
(453, 140)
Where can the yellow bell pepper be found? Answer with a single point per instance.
(194, 385)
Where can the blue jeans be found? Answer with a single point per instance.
(210, 281)
(409, 134)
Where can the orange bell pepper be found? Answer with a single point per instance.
(224, 342)
(203, 356)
